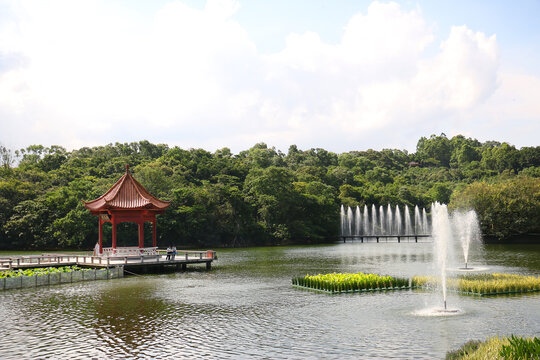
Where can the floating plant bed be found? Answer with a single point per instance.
(341, 283)
(17, 279)
(485, 284)
(40, 271)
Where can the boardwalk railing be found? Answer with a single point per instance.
(36, 261)
(386, 237)
(191, 254)
(32, 261)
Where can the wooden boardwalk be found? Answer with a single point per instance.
(379, 238)
(131, 261)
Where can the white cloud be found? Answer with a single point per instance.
(385, 35)
(513, 110)
(91, 72)
(376, 78)
(463, 74)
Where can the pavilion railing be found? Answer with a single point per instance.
(129, 251)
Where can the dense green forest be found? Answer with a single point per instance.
(260, 196)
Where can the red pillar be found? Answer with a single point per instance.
(141, 234)
(113, 221)
(154, 234)
(100, 236)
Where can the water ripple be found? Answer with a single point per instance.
(245, 308)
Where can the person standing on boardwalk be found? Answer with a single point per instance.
(173, 252)
(169, 253)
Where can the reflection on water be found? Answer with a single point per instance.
(246, 308)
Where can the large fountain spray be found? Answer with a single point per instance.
(461, 229)
(442, 235)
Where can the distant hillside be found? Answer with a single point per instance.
(260, 196)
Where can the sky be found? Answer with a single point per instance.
(341, 75)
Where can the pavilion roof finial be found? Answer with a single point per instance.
(127, 167)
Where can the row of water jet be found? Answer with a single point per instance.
(384, 220)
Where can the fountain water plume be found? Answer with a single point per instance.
(366, 220)
(425, 226)
(381, 219)
(343, 217)
(468, 232)
(373, 219)
(442, 235)
(407, 215)
(398, 221)
(358, 221)
(417, 220)
(389, 220)
(349, 220)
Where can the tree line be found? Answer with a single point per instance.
(260, 196)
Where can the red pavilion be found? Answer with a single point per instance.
(126, 201)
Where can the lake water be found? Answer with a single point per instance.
(246, 308)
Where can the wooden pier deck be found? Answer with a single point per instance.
(379, 238)
(129, 261)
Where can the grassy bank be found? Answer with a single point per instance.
(496, 348)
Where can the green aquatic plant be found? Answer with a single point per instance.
(483, 284)
(476, 284)
(350, 282)
(489, 284)
(423, 281)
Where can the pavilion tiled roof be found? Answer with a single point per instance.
(127, 194)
